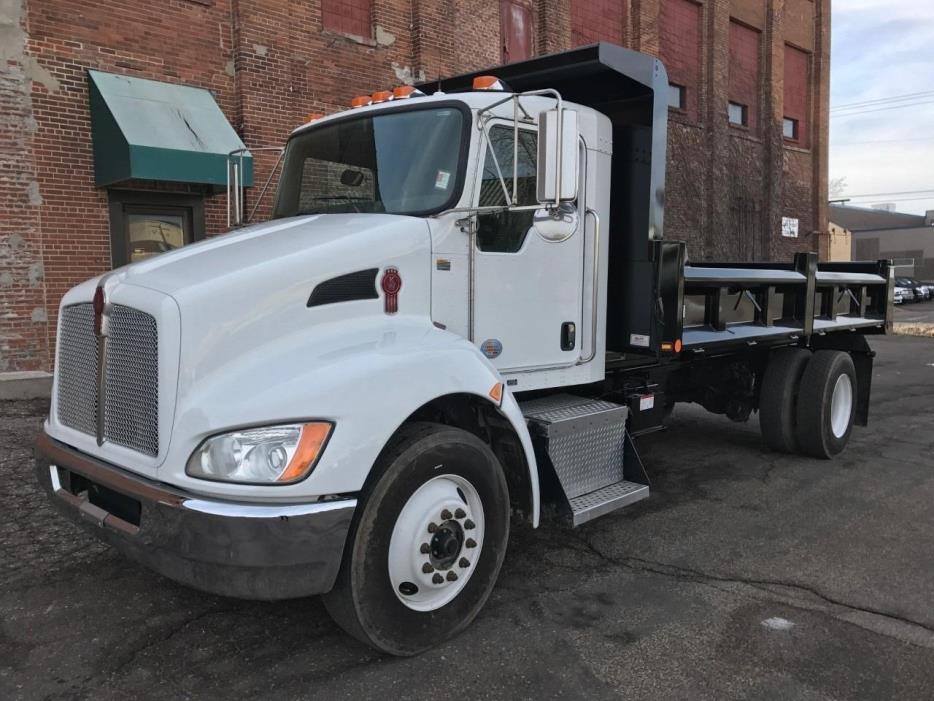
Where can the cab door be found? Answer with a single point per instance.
(526, 289)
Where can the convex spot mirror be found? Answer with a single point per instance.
(556, 224)
(558, 135)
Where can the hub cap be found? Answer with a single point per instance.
(841, 406)
(436, 543)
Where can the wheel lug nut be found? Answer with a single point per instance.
(460, 513)
(425, 549)
(445, 515)
(437, 579)
(468, 524)
(427, 568)
(464, 563)
(432, 527)
(452, 576)
(471, 543)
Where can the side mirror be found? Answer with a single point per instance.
(558, 135)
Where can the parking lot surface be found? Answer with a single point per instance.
(915, 312)
(746, 574)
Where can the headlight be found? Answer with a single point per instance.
(268, 455)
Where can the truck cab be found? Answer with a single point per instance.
(462, 307)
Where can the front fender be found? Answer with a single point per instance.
(367, 378)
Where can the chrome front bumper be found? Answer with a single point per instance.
(251, 551)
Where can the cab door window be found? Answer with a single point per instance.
(503, 231)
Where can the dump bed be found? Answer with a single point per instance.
(658, 304)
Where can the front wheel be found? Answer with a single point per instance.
(427, 544)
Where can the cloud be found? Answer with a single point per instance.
(882, 49)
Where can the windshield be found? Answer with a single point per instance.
(404, 162)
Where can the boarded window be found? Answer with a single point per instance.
(516, 27)
(744, 75)
(347, 17)
(597, 20)
(681, 48)
(797, 90)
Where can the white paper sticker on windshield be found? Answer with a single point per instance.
(441, 180)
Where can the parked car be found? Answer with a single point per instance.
(903, 294)
(919, 291)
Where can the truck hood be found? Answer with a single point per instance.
(243, 297)
(295, 251)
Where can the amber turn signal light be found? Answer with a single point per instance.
(310, 445)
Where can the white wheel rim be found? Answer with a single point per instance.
(454, 543)
(841, 406)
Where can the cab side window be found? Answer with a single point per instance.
(504, 232)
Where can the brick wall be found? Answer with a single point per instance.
(269, 63)
(23, 315)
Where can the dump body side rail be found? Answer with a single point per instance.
(749, 303)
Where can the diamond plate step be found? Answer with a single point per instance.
(602, 501)
(582, 438)
(583, 443)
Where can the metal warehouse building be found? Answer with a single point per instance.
(115, 116)
(908, 239)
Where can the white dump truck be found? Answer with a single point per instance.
(463, 308)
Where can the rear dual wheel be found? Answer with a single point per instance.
(427, 543)
(826, 404)
(807, 402)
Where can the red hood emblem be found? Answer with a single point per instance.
(98, 310)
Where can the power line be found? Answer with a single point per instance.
(929, 193)
(886, 200)
(878, 141)
(893, 98)
(882, 109)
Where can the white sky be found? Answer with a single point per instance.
(882, 49)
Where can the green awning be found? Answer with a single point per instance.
(159, 131)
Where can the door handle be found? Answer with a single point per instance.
(568, 335)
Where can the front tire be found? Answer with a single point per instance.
(427, 543)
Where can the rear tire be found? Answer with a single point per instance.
(826, 404)
(443, 477)
(778, 398)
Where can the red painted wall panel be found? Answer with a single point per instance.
(680, 22)
(597, 20)
(744, 70)
(797, 81)
(347, 17)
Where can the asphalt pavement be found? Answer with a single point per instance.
(915, 312)
(746, 574)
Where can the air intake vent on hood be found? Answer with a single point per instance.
(345, 288)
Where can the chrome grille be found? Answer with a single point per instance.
(131, 376)
(131, 382)
(77, 369)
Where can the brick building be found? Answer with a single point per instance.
(747, 135)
